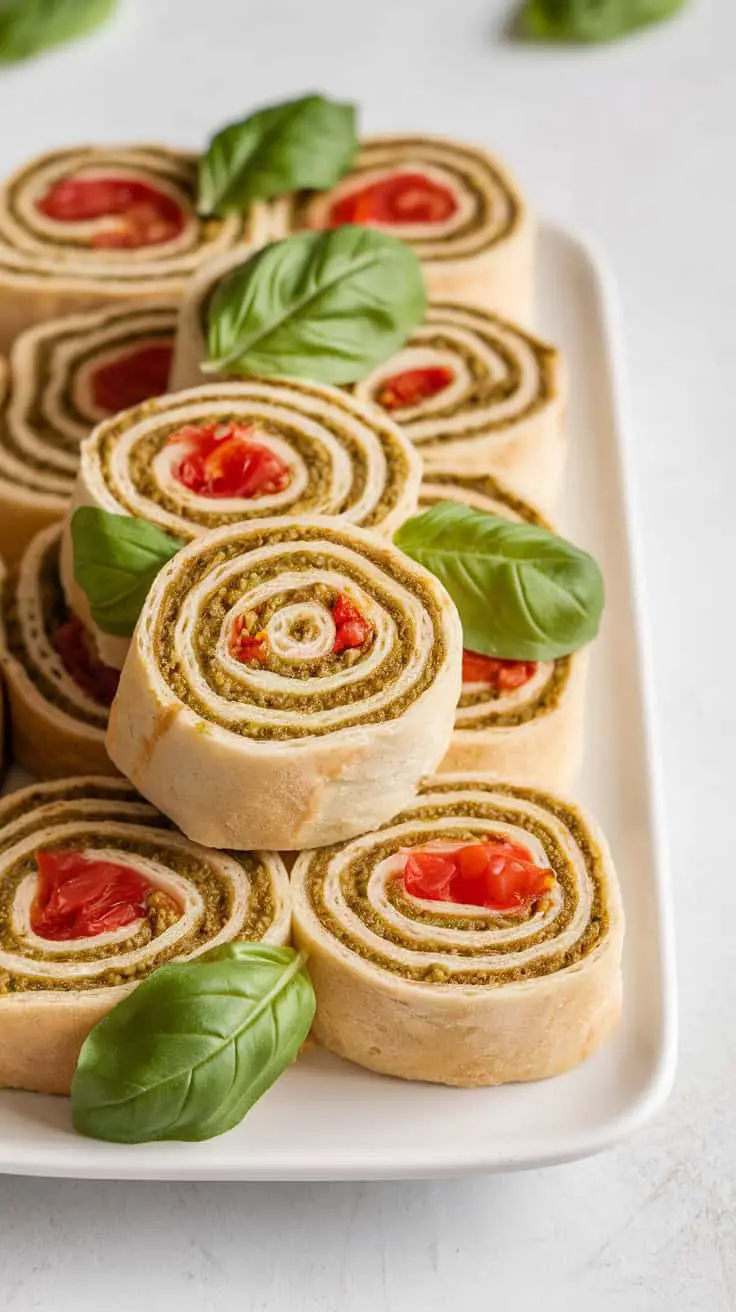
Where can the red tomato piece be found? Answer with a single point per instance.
(351, 628)
(78, 896)
(81, 662)
(145, 216)
(428, 875)
(223, 460)
(248, 648)
(503, 675)
(495, 873)
(401, 198)
(412, 386)
(132, 377)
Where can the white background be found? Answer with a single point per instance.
(634, 142)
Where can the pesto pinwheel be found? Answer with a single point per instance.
(89, 226)
(471, 391)
(306, 674)
(455, 205)
(233, 452)
(63, 377)
(474, 939)
(479, 395)
(521, 719)
(96, 891)
(59, 691)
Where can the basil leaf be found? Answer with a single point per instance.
(190, 1051)
(303, 144)
(592, 20)
(522, 592)
(328, 306)
(29, 26)
(116, 559)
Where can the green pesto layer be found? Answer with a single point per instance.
(55, 613)
(302, 557)
(459, 163)
(216, 893)
(170, 167)
(355, 883)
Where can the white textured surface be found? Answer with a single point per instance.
(635, 143)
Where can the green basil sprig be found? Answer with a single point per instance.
(190, 1051)
(592, 20)
(328, 306)
(116, 559)
(303, 144)
(522, 592)
(29, 26)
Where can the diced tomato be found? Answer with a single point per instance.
(412, 386)
(495, 873)
(503, 675)
(399, 199)
(224, 460)
(76, 648)
(248, 648)
(430, 876)
(132, 377)
(351, 628)
(78, 896)
(144, 215)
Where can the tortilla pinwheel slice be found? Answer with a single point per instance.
(288, 684)
(97, 891)
(474, 939)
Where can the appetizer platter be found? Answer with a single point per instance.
(329, 794)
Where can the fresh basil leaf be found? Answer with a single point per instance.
(522, 592)
(190, 1051)
(116, 559)
(303, 144)
(29, 26)
(592, 20)
(327, 306)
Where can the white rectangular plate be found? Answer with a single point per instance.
(326, 1119)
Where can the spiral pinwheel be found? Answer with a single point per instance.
(65, 376)
(454, 204)
(478, 395)
(474, 939)
(87, 226)
(97, 891)
(307, 673)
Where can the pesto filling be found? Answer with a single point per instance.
(256, 621)
(485, 392)
(483, 485)
(38, 420)
(479, 222)
(215, 891)
(546, 700)
(221, 600)
(169, 168)
(315, 496)
(55, 613)
(355, 880)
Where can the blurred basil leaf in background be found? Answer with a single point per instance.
(591, 20)
(29, 26)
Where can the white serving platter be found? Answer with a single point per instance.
(326, 1119)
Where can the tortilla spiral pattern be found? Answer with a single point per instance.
(49, 267)
(56, 989)
(57, 728)
(459, 994)
(481, 254)
(299, 725)
(501, 410)
(54, 400)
